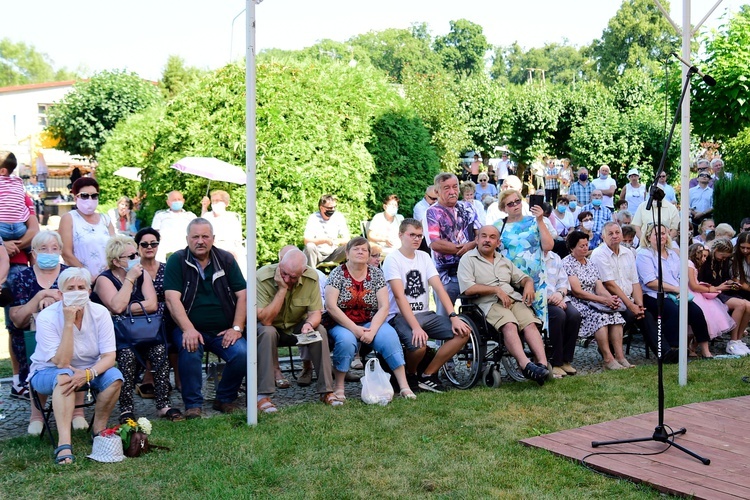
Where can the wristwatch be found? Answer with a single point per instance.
(237, 329)
(453, 315)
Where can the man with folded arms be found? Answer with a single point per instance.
(289, 312)
(484, 272)
(410, 273)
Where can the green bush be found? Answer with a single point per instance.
(315, 122)
(737, 153)
(730, 200)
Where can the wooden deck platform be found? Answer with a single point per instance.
(717, 430)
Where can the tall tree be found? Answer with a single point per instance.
(558, 63)
(722, 111)
(392, 50)
(176, 76)
(21, 64)
(638, 36)
(85, 117)
(463, 48)
(485, 108)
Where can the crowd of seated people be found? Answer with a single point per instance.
(570, 271)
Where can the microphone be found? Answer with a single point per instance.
(707, 79)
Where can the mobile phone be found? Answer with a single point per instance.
(535, 199)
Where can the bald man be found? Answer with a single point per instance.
(289, 312)
(172, 225)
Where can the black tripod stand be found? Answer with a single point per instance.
(661, 434)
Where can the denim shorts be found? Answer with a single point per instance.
(44, 381)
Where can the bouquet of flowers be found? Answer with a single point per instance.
(134, 435)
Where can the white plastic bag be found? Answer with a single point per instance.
(376, 384)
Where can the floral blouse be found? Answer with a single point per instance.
(357, 299)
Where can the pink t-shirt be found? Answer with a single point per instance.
(13, 208)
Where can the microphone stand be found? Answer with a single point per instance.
(661, 434)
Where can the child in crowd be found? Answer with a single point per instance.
(13, 211)
(706, 296)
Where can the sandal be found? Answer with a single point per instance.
(330, 399)
(60, 458)
(282, 383)
(173, 415)
(146, 391)
(266, 406)
(407, 394)
(340, 394)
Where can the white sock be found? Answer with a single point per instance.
(261, 396)
(16, 381)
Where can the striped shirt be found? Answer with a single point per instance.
(12, 192)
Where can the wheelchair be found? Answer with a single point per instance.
(484, 357)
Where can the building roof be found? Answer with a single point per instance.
(35, 86)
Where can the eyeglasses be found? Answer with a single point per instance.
(663, 176)
(414, 236)
(431, 198)
(513, 203)
(153, 244)
(703, 175)
(330, 208)
(86, 196)
(129, 257)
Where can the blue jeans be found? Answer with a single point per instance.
(386, 342)
(44, 381)
(12, 230)
(191, 371)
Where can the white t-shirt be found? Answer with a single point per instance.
(96, 336)
(414, 275)
(172, 227)
(333, 228)
(603, 184)
(380, 225)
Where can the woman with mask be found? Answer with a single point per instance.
(227, 225)
(124, 283)
(85, 232)
(384, 226)
(634, 192)
(586, 226)
(75, 346)
(34, 290)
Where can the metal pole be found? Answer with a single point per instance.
(231, 35)
(250, 198)
(684, 194)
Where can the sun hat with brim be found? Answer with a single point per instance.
(107, 449)
(633, 171)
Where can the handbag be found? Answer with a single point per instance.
(606, 309)
(137, 331)
(376, 385)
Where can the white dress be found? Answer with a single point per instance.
(89, 242)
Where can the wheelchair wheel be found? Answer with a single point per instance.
(512, 368)
(463, 370)
(491, 376)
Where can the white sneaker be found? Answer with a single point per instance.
(80, 424)
(35, 428)
(734, 348)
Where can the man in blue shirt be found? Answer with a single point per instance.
(701, 198)
(582, 188)
(601, 214)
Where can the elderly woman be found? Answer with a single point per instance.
(384, 226)
(35, 289)
(604, 324)
(147, 240)
(227, 225)
(357, 301)
(484, 187)
(75, 346)
(84, 232)
(123, 217)
(494, 213)
(647, 261)
(564, 318)
(468, 189)
(125, 283)
(525, 238)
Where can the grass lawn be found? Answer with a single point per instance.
(463, 444)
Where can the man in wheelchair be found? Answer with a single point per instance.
(484, 272)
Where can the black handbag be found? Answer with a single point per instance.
(138, 331)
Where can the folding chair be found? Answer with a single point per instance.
(46, 410)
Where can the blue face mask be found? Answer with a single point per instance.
(596, 203)
(176, 206)
(47, 260)
(572, 205)
(603, 176)
(561, 208)
(133, 263)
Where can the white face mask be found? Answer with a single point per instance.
(77, 298)
(218, 208)
(588, 224)
(392, 211)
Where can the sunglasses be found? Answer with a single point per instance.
(86, 196)
(431, 198)
(514, 203)
(129, 257)
(153, 244)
